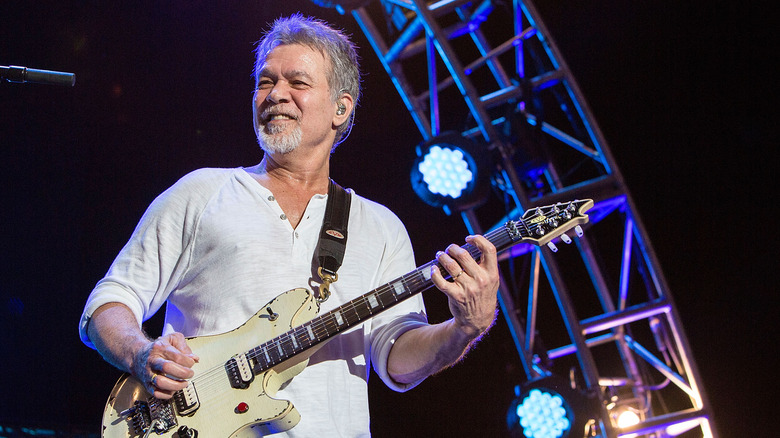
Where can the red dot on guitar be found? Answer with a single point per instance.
(242, 408)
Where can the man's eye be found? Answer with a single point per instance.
(265, 83)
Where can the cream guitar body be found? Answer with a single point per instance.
(214, 407)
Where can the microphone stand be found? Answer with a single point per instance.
(21, 75)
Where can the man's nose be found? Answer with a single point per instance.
(279, 93)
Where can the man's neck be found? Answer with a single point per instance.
(309, 175)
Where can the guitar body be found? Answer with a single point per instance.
(223, 410)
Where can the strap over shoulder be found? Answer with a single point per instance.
(333, 236)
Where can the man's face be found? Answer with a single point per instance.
(293, 105)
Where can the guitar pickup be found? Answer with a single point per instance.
(239, 371)
(186, 400)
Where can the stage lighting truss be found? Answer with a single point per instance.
(451, 172)
(491, 72)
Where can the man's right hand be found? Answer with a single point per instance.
(164, 365)
(161, 365)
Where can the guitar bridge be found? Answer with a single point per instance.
(152, 415)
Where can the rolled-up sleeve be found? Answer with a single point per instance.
(408, 315)
(384, 340)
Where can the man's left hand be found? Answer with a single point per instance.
(472, 289)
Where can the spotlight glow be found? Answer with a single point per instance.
(627, 418)
(445, 171)
(542, 415)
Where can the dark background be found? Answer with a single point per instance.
(681, 90)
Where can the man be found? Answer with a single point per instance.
(221, 243)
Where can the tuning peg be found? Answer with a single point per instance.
(578, 230)
(566, 239)
(552, 247)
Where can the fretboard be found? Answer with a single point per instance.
(368, 305)
(538, 226)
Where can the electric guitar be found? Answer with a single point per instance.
(240, 371)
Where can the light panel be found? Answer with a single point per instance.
(550, 407)
(542, 415)
(451, 172)
(446, 171)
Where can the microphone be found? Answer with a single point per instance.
(17, 74)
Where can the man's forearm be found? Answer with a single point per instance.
(427, 350)
(471, 291)
(116, 335)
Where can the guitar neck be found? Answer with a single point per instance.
(536, 227)
(368, 305)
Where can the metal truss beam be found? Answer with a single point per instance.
(505, 85)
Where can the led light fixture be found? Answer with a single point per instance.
(549, 408)
(542, 414)
(450, 172)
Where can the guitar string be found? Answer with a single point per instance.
(207, 380)
(215, 375)
(325, 325)
(286, 344)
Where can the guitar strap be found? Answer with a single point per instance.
(333, 237)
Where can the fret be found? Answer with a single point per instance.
(301, 338)
(426, 273)
(386, 296)
(362, 306)
(339, 320)
(421, 278)
(287, 345)
(273, 355)
(294, 342)
(350, 312)
(373, 303)
(260, 359)
(353, 311)
(399, 288)
(330, 323)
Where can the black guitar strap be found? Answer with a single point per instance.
(333, 237)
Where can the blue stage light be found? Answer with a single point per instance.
(451, 172)
(446, 171)
(542, 415)
(549, 407)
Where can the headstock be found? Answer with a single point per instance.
(540, 225)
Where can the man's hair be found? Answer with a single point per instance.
(344, 74)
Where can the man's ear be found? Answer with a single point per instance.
(343, 109)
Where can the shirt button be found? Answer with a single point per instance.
(271, 198)
(283, 217)
(296, 234)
